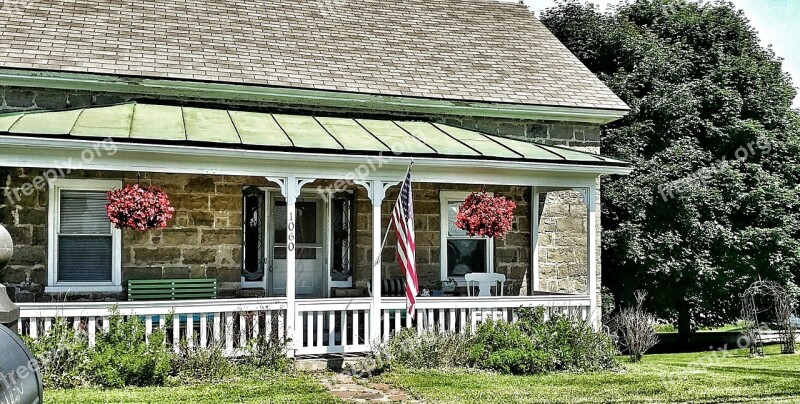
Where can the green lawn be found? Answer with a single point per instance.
(253, 388)
(696, 377)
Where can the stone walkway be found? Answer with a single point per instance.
(346, 388)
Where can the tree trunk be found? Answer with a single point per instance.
(684, 322)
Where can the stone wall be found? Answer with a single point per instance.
(203, 240)
(562, 242)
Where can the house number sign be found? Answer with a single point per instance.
(290, 235)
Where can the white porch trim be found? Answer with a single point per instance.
(21, 151)
(324, 326)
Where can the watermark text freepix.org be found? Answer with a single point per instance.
(670, 189)
(63, 169)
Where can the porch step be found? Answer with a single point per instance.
(336, 363)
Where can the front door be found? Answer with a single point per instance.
(309, 252)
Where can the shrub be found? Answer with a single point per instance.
(123, 358)
(539, 343)
(636, 329)
(202, 364)
(63, 354)
(569, 340)
(430, 349)
(506, 348)
(268, 352)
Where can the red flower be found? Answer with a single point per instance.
(485, 215)
(134, 207)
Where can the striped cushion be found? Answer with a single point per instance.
(391, 287)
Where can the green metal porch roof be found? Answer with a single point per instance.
(150, 123)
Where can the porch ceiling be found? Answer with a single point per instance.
(230, 129)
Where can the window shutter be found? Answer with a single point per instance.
(84, 212)
(85, 239)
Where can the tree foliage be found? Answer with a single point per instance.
(713, 202)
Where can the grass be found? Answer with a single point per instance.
(698, 377)
(254, 387)
(669, 328)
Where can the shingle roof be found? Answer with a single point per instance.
(221, 128)
(477, 50)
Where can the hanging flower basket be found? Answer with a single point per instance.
(139, 208)
(484, 215)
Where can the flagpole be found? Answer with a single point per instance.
(389, 228)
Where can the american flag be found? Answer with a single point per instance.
(403, 219)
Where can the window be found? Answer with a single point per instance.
(84, 248)
(461, 254)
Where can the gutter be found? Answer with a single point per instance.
(49, 150)
(215, 91)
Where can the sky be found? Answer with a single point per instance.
(777, 23)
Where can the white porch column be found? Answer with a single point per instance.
(591, 256)
(534, 240)
(290, 188)
(377, 193)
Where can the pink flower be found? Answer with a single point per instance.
(138, 208)
(484, 215)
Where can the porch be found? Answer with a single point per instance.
(321, 326)
(256, 208)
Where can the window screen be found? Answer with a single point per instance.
(85, 248)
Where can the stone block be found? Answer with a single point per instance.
(29, 255)
(506, 255)
(79, 100)
(224, 274)
(176, 272)
(199, 218)
(536, 131)
(174, 237)
(51, 100)
(156, 255)
(182, 201)
(39, 235)
(229, 188)
(19, 98)
(36, 216)
(142, 272)
(220, 237)
(138, 238)
(201, 184)
(15, 275)
(229, 203)
(197, 272)
(20, 235)
(200, 255)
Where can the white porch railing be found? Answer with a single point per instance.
(459, 314)
(230, 324)
(326, 326)
(322, 326)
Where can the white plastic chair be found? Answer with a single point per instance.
(485, 283)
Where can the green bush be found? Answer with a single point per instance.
(539, 343)
(506, 348)
(64, 356)
(202, 364)
(268, 352)
(429, 349)
(123, 358)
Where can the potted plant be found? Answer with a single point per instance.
(482, 214)
(139, 208)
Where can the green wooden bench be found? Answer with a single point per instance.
(172, 289)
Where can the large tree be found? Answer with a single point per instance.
(713, 201)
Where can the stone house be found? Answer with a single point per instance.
(296, 120)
